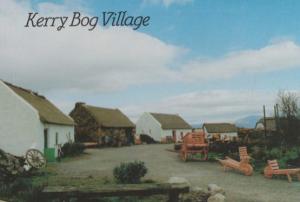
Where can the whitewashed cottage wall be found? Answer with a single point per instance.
(20, 127)
(169, 132)
(64, 134)
(149, 126)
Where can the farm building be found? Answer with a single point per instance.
(221, 131)
(29, 120)
(270, 123)
(102, 125)
(162, 127)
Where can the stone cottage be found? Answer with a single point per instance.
(102, 125)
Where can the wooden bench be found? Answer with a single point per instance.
(273, 169)
(242, 165)
(86, 193)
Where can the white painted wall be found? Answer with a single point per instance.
(20, 126)
(260, 126)
(169, 132)
(222, 135)
(63, 132)
(146, 124)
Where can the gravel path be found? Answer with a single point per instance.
(163, 164)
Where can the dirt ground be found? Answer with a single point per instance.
(163, 164)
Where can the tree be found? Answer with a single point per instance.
(288, 103)
(289, 124)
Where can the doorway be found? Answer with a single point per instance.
(46, 138)
(174, 135)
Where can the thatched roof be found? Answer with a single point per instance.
(47, 111)
(171, 121)
(220, 127)
(109, 117)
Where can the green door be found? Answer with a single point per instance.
(48, 152)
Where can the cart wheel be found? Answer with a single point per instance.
(35, 158)
(206, 155)
(184, 156)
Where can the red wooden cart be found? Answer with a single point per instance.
(194, 143)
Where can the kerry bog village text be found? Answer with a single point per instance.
(108, 18)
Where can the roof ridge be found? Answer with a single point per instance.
(164, 113)
(87, 105)
(220, 123)
(25, 89)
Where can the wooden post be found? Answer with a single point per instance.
(265, 122)
(87, 193)
(278, 117)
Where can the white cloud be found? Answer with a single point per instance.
(281, 55)
(75, 58)
(206, 106)
(113, 59)
(167, 3)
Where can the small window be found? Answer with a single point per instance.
(56, 138)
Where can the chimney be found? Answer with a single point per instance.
(79, 104)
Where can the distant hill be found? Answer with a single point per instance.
(197, 125)
(247, 122)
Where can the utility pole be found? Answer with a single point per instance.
(265, 122)
(276, 117)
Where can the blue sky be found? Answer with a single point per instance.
(212, 52)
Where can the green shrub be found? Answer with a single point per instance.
(282, 155)
(20, 189)
(130, 173)
(213, 156)
(73, 149)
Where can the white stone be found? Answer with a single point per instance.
(177, 180)
(197, 189)
(214, 189)
(216, 198)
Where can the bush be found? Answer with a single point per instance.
(130, 173)
(20, 189)
(213, 156)
(283, 156)
(73, 149)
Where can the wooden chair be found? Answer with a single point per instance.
(242, 165)
(273, 169)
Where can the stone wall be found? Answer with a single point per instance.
(86, 128)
